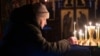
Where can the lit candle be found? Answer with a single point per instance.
(91, 30)
(74, 26)
(75, 33)
(99, 36)
(96, 34)
(97, 31)
(80, 34)
(85, 32)
(90, 23)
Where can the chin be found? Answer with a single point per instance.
(42, 27)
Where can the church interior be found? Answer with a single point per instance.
(80, 17)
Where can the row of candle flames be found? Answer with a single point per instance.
(86, 38)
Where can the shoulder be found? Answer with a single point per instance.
(34, 28)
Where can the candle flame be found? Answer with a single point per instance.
(97, 24)
(85, 26)
(45, 0)
(80, 32)
(90, 23)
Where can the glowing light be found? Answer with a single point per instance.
(90, 23)
(45, 0)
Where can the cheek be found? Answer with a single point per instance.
(43, 23)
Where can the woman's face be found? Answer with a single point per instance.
(42, 21)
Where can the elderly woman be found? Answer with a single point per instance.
(24, 37)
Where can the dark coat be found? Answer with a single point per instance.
(27, 40)
(24, 37)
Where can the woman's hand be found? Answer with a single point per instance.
(73, 40)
